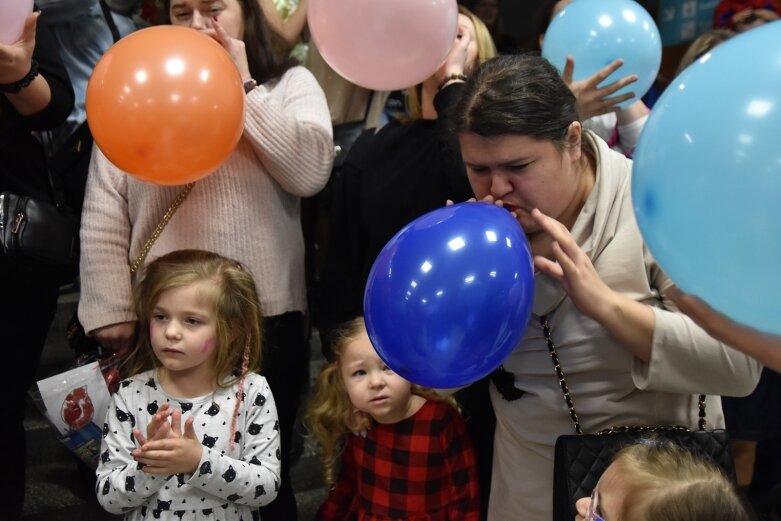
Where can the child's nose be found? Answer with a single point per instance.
(172, 330)
(376, 379)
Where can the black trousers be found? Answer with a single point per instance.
(27, 308)
(285, 365)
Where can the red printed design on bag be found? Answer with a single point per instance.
(77, 409)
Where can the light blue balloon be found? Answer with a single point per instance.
(598, 32)
(706, 180)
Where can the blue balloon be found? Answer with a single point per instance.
(598, 32)
(706, 181)
(450, 295)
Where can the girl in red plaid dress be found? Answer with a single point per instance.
(412, 457)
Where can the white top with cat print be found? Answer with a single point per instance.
(228, 486)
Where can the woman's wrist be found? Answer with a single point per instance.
(450, 78)
(17, 86)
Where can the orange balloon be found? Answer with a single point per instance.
(166, 105)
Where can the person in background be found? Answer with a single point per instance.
(411, 458)
(597, 107)
(489, 11)
(83, 35)
(35, 96)
(656, 480)
(742, 15)
(753, 421)
(702, 44)
(248, 209)
(630, 358)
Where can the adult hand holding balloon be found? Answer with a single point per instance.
(450, 295)
(13, 14)
(381, 44)
(598, 32)
(706, 179)
(166, 105)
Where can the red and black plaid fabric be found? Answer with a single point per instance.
(421, 469)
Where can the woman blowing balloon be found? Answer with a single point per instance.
(629, 357)
(247, 209)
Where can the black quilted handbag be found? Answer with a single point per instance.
(580, 459)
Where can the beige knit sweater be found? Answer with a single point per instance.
(248, 209)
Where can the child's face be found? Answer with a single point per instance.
(183, 331)
(372, 386)
(608, 497)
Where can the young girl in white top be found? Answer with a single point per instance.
(193, 433)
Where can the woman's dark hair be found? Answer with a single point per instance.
(521, 94)
(259, 41)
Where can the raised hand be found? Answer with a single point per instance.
(235, 48)
(16, 59)
(591, 99)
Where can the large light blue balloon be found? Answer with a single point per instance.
(450, 295)
(707, 178)
(598, 32)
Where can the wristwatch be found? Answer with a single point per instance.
(249, 85)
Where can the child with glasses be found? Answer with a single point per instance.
(661, 481)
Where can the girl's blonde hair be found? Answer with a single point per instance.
(704, 43)
(485, 51)
(330, 406)
(666, 482)
(230, 289)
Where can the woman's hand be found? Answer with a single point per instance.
(592, 100)
(572, 267)
(630, 322)
(118, 338)
(179, 452)
(456, 60)
(16, 59)
(235, 48)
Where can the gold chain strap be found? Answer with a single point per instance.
(571, 406)
(159, 228)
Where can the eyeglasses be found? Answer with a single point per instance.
(593, 513)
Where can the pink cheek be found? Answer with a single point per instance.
(206, 346)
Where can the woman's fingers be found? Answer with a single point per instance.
(557, 231)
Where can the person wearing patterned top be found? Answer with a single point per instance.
(198, 348)
(409, 456)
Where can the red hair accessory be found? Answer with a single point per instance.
(723, 16)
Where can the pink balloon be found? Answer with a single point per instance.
(384, 44)
(13, 14)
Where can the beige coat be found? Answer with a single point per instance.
(609, 386)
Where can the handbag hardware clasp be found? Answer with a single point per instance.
(17, 223)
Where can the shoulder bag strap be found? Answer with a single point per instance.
(110, 20)
(159, 228)
(568, 395)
